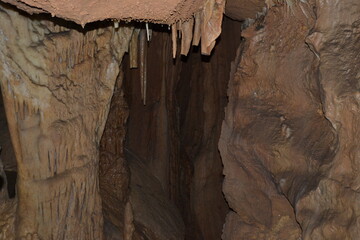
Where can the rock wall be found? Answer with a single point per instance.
(57, 84)
(288, 139)
(331, 210)
(114, 174)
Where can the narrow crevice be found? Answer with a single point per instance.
(8, 166)
(11, 177)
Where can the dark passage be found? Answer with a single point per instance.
(8, 169)
(171, 142)
(11, 183)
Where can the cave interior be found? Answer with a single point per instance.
(231, 120)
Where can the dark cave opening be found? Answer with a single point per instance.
(11, 177)
(171, 142)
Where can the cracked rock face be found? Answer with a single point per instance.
(289, 140)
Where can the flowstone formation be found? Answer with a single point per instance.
(57, 84)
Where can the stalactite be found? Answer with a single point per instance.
(148, 32)
(179, 28)
(211, 24)
(205, 25)
(187, 35)
(174, 39)
(116, 24)
(133, 49)
(143, 70)
(197, 29)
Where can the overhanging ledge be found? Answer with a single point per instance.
(86, 11)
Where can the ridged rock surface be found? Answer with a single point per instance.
(289, 141)
(57, 84)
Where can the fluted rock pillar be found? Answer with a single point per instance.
(57, 84)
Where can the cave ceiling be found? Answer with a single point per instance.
(157, 11)
(86, 11)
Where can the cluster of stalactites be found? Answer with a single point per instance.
(205, 25)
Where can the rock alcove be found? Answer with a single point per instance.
(179, 120)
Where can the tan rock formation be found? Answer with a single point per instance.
(57, 84)
(86, 11)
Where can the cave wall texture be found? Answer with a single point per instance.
(56, 115)
(289, 140)
(257, 141)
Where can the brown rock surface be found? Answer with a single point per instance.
(243, 9)
(331, 210)
(85, 11)
(288, 141)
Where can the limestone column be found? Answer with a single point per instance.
(57, 83)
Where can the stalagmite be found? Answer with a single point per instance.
(143, 65)
(134, 49)
(211, 24)
(187, 36)
(197, 29)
